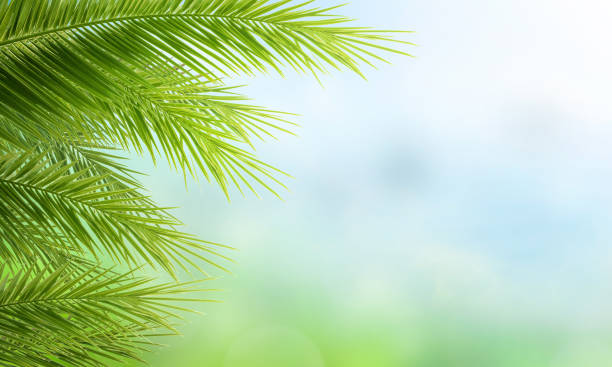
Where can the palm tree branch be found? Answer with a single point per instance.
(78, 315)
(91, 214)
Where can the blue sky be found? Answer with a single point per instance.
(476, 173)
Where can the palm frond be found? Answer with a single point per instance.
(48, 318)
(208, 36)
(100, 159)
(80, 79)
(66, 64)
(199, 126)
(80, 211)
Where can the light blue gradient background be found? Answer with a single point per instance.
(468, 187)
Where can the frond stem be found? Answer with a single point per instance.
(57, 194)
(62, 299)
(36, 35)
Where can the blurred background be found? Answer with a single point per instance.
(453, 210)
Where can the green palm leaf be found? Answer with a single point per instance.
(68, 65)
(81, 79)
(100, 159)
(200, 126)
(207, 36)
(48, 317)
(80, 211)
